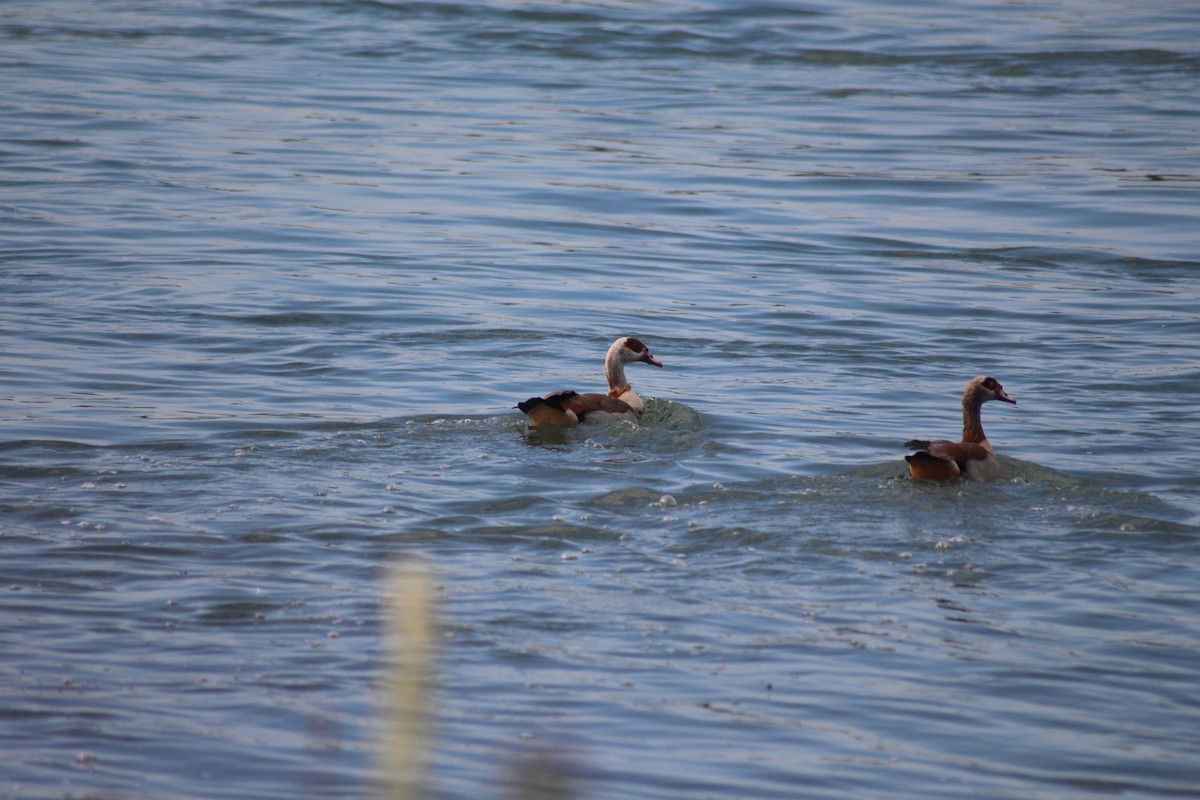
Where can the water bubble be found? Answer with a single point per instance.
(946, 544)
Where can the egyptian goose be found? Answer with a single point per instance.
(973, 458)
(620, 404)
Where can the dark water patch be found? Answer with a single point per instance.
(235, 612)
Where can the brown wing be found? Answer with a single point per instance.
(584, 404)
(925, 467)
(941, 460)
(553, 409)
(959, 452)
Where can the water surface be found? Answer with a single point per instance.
(275, 274)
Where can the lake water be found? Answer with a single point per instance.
(274, 275)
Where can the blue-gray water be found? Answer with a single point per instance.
(273, 275)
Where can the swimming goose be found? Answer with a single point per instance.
(620, 404)
(973, 458)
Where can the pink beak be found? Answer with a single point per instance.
(649, 359)
(1002, 395)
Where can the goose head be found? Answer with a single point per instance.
(985, 388)
(631, 350)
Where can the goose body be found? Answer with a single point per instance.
(620, 404)
(971, 459)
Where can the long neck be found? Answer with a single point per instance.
(972, 425)
(614, 370)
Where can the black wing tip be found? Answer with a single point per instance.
(530, 404)
(917, 444)
(553, 400)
